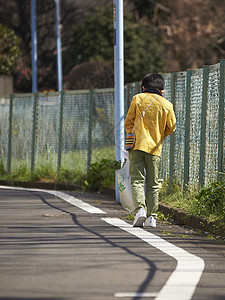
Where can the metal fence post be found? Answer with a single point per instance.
(90, 129)
(61, 97)
(9, 155)
(203, 125)
(172, 136)
(125, 99)
(33, 145)
(221, 123)
(187, 130)
(136, 87)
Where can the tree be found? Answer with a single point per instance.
(144, 51)
(91, 75)
(91, 40)
(94, 40)
(16, 15)
(9, 49)
(141, 8)
(193, 32)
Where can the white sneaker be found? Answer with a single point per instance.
(140, 218)
(150, 222)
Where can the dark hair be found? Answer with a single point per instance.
(153, 81)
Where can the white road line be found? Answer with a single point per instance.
(184, 279)
(72, 200)
(135, 295)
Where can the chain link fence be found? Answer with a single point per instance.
(73, 129)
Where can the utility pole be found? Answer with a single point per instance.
(58, 39)
(34, 46)
(119, 82)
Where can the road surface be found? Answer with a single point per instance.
(67, 245)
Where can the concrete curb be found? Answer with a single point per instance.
(42, 185)
(181, 218)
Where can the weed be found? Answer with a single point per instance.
(161, 216)
(130, 217)
(167, 232)
(44, 173)
(69, 176)
(212, 198)
(101, 174)
(209, 203)
(2, 169)
(22, 173)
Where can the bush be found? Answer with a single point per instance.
(208, 203)
(69, 176)
(90, 75)
(44, 173)
(101, 174)
(22, 173)
(212, 198)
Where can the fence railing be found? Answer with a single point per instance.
(73, 129)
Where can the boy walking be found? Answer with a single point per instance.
(151, 118)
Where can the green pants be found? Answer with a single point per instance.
(144, 173)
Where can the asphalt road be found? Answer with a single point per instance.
(58, 249)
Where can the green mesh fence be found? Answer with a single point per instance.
(165, 158)
(4, 128)
(195, 125)
(47, 129)
(103, 131)
(212, 125)
(180, 88)
(73, 129)
(21, 133)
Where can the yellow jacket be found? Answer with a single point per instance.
(158, 122)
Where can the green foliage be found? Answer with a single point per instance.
(69, 176)
(91, 40)
(208, 203)
(172, 195)
(94, 40)
(44, 173)
(2, 168)
(144, 8)
(21, 173)
(101, 174)
(130, 217)
(9, 49)
(161, 216)
(212, 198)
(143, 49)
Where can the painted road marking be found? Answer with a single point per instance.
(184, 279)
(135, 295)
(70, 199)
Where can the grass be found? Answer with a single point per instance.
(71, 160)
(43, 173)
(100, 174)
(208, 203)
